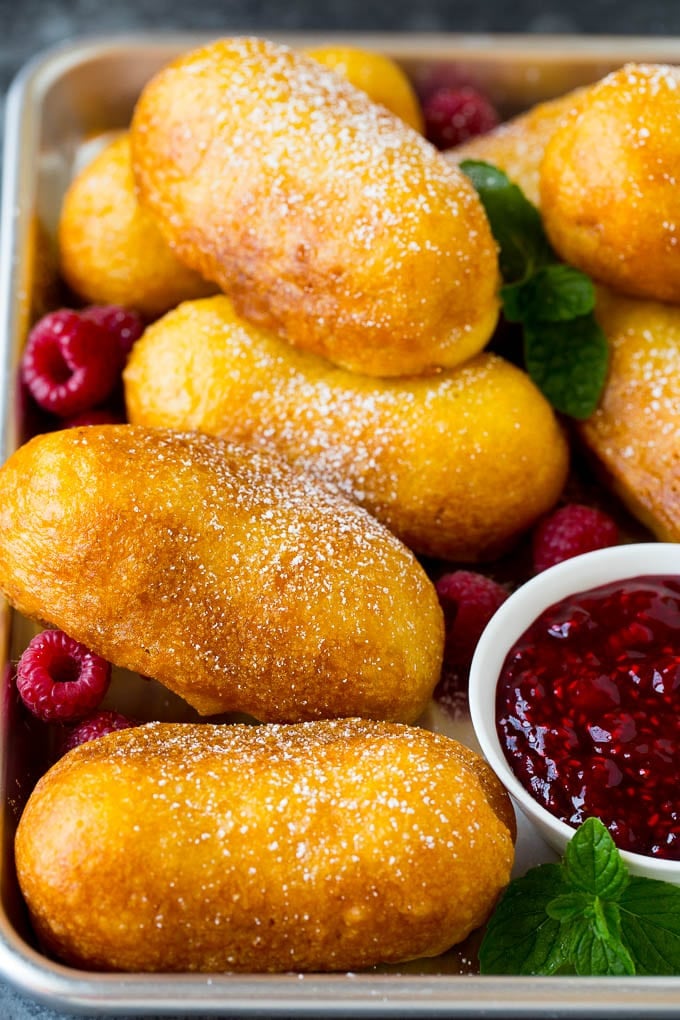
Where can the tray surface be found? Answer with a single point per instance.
(59, 108)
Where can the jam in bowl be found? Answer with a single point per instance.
(575, 700)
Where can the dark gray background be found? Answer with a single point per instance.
(28, 26)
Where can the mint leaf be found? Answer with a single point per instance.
(568, 361)
(596, 947)
(552, 294)
(593, 864)
(565, 352)
(593, 924)
(585, 916)
(650, 925)
(521, 938)
(515, 223)
(569, 906)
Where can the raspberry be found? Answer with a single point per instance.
(469, 600)
(93, 726)
(571, 530)
(452, 115)
(97, 416)
(70, 364)
(123, 323)
(60, 679)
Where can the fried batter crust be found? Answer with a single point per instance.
(325, 217)
(517, 146)
(318, 846)
(609, 183)
(230, 577)
(635, 430)
(458, 465)
(111, 250)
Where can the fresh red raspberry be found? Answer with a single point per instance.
(97, 416)
(571, 530)
(93, 726)
(125, 324)
(469, 600)
(60, 679)
(70, 364)
(452, 115)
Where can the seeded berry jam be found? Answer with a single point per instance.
(588, 711)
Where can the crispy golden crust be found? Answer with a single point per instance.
(635, 431)
(377, 75)
(110, 248)
(609, 192)
(325, 217)
(321, 846)
(457, 465)
(224, 573)
(518, 145)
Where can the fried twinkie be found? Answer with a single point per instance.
(111, 250)
(457, 464)
(379, 76)
(323, 215)
(517, 146)
(609, 191)
(317, 846)
(223, 572)
(635, 431)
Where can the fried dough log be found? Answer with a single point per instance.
(111, 250)
(609, 193)
(518, 145)
(635, 431)
(224, 573)
(325, 217)
(377, 75)
(317, 846)
(457, 465)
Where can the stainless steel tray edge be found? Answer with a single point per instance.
(366, 994)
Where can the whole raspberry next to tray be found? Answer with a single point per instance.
(468, 600)
(70, 363)
(124, 324)
(92, 726)
(569, 531)
(59, 679)
(454, 114)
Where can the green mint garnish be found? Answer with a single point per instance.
(585, 916)
(566, 353)
(650, 925)
(515, 223)
(521, 937)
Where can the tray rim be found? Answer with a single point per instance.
(361, 994)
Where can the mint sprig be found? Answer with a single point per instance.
(565, 352)
(586, 916)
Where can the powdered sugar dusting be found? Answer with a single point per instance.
(636, 429)
(268, 592)
(324, 215)
(346, 137)
(322, 845)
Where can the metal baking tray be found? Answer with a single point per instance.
(57, 108)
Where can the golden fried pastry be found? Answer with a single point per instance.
(223, 572)
(518, 145)
(377, 75)
(324, 216)
(317, 846)
(609, 192)
(457, 464)
(635, 431)
(111, 250)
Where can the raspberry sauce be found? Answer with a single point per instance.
(588, 711)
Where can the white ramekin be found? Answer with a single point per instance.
(513, 618)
